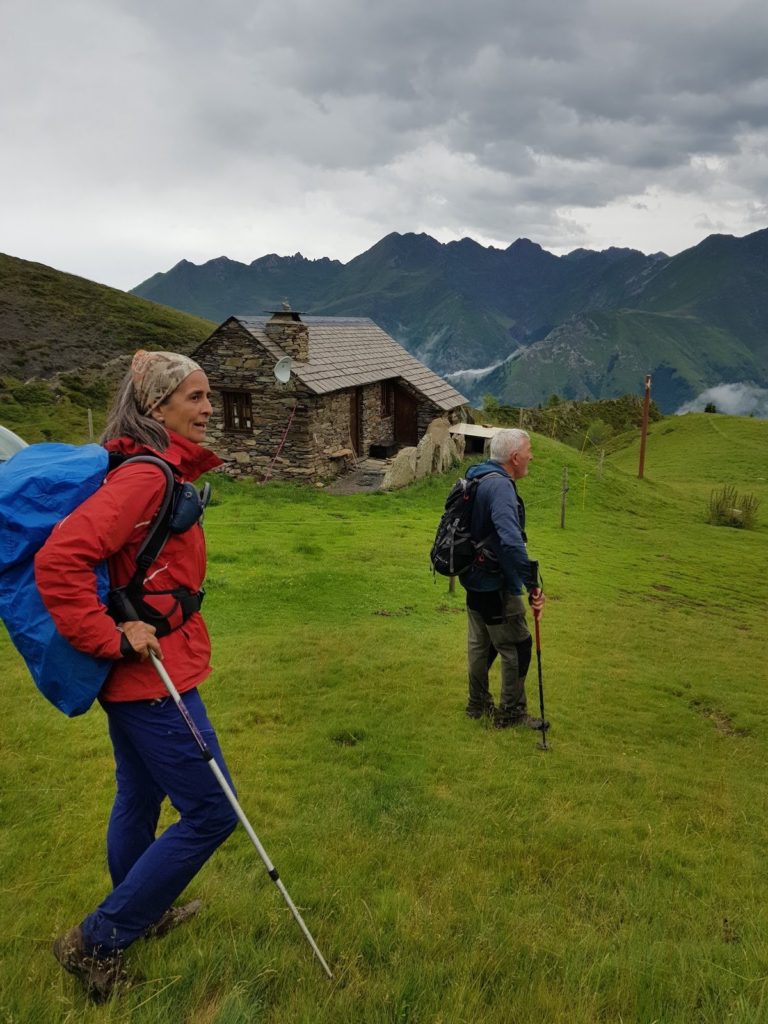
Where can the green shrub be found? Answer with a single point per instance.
(33, 393)
(728, 508)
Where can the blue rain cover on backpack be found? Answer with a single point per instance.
(39, 486)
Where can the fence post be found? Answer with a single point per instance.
(562, 498)
(90, 425)
(644, 427)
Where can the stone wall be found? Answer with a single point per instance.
(329, 431)
(320, 428)
(377, 429)
(292, 336)
(330, 428)
(233, 361)
(318, 444)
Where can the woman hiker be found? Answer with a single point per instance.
(162, 409)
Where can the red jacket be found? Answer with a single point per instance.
(111, 525)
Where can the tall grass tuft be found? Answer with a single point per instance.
(728, 508)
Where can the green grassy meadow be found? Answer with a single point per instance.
(450, 873)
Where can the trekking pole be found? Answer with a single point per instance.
(271, 870)
(542, 745)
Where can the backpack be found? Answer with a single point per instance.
(454, 550)
(39, 486)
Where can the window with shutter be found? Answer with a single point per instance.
(238, 416)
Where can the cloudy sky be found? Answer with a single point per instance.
(139, 132)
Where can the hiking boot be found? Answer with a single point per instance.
(502, 721)
(487, 712)
(101, 976)
(172, 918)
(535, 723)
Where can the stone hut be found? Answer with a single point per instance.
(305, 397)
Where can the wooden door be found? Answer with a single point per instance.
(356, 419)
(406, 418)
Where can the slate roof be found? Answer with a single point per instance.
(347, 352)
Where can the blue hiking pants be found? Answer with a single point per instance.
(156, 756)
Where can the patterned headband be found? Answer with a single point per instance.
(156, 375)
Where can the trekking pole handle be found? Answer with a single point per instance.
(535, 589)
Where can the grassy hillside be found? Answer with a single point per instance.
(57, 409)
(720, 281)
(608, 422)
(607, 353)
(51, 321)
(450, 873)
(695, 453)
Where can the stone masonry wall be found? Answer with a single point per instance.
(377, 429)
(291, 335)
(330, 428)
(329, 431)
(320, 428)
(233, 361)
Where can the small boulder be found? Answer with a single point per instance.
(402, 470)
(425, 454)
(438, 431)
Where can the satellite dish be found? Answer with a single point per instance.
(283, 369)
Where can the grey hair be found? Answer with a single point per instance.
(506, 442)
(126, 420)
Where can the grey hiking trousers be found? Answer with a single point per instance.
(511, 638)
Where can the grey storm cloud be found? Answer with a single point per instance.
(573, 80)
(488, 117)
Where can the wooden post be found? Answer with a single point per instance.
(644, 428)
(90, 425)
(451, 584)
(520, 418)
(562, 499)
(600, 464)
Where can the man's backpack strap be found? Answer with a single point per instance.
(482, 552)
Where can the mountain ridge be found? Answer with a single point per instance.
(459, 306)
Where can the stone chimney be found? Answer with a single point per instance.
(285, 328)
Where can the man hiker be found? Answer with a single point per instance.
(494, 584)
